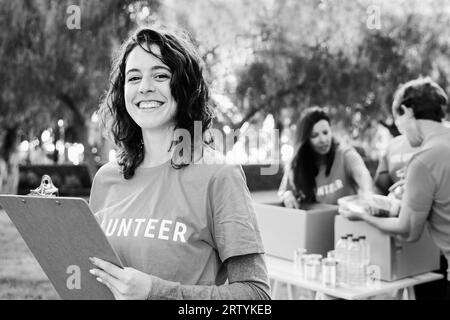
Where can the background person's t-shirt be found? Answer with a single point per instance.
(340, 182)
(396, 157)
(177, 224)
(427, 188)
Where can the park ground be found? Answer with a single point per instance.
(21, 277)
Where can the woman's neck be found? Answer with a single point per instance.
(157, 143)
(321, 159)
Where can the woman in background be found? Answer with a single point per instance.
(322, 170)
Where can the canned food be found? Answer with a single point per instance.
(312, 267)
(329, 272)
(299, 261)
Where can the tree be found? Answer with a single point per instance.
(321, 53)
(55, 66)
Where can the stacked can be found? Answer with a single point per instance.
(329, 272)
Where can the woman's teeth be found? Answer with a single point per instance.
(150, 105)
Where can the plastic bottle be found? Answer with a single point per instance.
(355, 264)
(347, 269)
(341, 257)
(365, 248)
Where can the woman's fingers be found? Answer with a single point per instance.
(110, 268)
(291, 202)
(107, 279)
(296, 205)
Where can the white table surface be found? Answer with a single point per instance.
(283, 271)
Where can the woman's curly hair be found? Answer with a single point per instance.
(188, 87)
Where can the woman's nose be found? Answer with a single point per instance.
(146, 85)
(322, 138)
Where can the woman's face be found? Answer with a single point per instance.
(321, 137)
(148, 98)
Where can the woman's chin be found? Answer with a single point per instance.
(322, 151)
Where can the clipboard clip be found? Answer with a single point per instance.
(46, 189)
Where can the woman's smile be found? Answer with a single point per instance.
(149, 105)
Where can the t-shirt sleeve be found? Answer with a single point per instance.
(98, 193)
(419, 191)
(94, 198)
(235, 227)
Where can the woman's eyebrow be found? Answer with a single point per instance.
(158, 67)
(133, 70)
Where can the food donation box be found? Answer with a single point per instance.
(284, 230)
(395, 257)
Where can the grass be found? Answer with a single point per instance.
(21, 277)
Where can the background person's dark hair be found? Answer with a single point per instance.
(305, 164)
(426, 98)
(188, 87)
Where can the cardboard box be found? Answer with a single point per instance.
(284, 230)
(396, 259)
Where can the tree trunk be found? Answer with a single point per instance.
(82, 130)
(9, 175)
(9, 162)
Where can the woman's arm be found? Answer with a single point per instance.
(286, 183)
(247, 280)
(356, 167)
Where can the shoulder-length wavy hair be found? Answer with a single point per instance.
(305, 164)
(188, 87)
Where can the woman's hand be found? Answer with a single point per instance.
(125, 284)
(289, 200)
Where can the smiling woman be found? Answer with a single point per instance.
(180, 226)
(148, 99)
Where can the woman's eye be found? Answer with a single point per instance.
(133, 79)
(162, 77)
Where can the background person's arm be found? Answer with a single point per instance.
(416, 205)
(382, 178)
(286, 182)
(286, 192)
(357, 169)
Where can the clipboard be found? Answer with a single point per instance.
(62, 233)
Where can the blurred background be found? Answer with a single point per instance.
(266, 61)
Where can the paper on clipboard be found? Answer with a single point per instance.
(62, 233)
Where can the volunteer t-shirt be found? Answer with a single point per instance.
(339, 183)
(177, 224)
(427, 188)
(397, 155)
